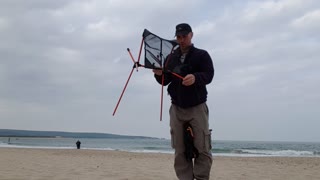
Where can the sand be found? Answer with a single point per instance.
(81, 164)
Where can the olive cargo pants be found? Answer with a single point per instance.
(198, 117)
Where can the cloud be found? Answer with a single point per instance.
(308, 23)
(3, 23)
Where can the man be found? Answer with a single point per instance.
(188, 98)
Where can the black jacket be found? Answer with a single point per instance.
(197, 62)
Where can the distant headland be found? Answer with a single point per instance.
(62, 134)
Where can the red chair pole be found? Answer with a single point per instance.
(161, 100)
(140, 50)
(122, 92)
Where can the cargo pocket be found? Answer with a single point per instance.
(207, 140)
(172, 139)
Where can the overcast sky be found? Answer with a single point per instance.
(63, 65)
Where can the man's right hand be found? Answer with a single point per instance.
(157, 72)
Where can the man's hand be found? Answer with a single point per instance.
(189, 80)
(157, 72)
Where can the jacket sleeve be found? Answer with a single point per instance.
(167, 78)
(205, 75)
(167, 75)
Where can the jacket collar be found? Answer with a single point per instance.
(191, 48)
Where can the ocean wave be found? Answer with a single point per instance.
(317, 153)
(221, 148)
(278, 152)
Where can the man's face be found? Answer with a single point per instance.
(184, 40)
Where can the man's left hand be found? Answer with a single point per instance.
(189, 80)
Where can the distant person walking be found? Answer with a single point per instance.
(78, 143)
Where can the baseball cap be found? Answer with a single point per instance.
(183, 29)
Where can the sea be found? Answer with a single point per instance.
(155, 145)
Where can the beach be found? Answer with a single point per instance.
(28, 163)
